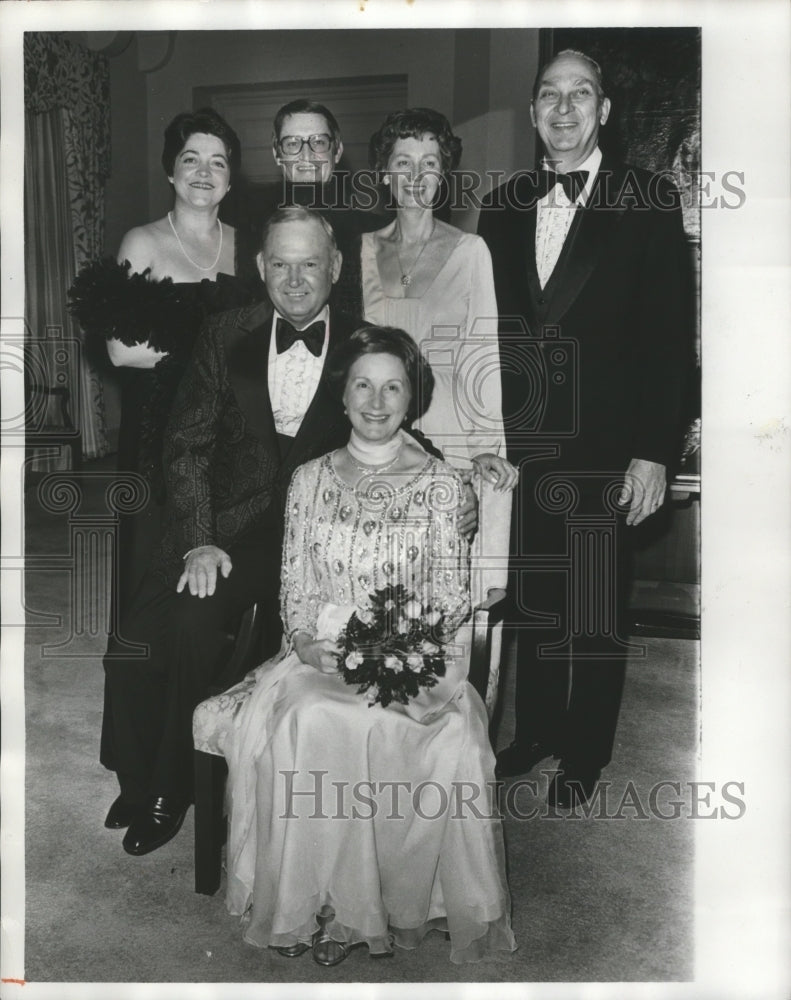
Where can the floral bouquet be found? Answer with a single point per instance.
(391, 648)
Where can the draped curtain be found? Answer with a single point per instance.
(67, 160)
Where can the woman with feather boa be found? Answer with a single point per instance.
(143, 312)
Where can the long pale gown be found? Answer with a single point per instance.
(317, 815)
(455, 321)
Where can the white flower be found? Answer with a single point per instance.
(354, 659)
(415, 662)
(413, 610)
(373, 693)
(429, 647)
(365, 615)
(393, 663)
(389, 604)
(432, 617)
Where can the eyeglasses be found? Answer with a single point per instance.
(292, 145)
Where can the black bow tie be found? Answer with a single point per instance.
(572, 182)
(312, 336)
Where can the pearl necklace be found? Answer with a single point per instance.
(200, 267)
(374, 458)
(406, 276)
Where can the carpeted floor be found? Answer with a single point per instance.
(605, 898)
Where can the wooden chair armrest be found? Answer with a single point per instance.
(492, 609)
(488, 613)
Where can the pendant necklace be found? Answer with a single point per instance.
(406, 276)
(200, 267)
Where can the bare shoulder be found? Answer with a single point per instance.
(141, 244)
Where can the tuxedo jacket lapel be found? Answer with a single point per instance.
(248, 373)
(584, 244)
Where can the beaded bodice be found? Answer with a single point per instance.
(343, 542)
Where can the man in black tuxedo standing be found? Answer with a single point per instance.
(590, 271)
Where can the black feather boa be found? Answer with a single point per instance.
(110, 302)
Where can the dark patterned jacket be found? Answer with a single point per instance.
(223, 466)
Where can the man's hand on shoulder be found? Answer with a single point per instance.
(644, 489)
(200, 570)
(468, 511)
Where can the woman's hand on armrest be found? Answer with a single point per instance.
(496, 470)
(319, 653)
(133, 356)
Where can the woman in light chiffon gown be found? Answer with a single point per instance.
(435, 281)
(351, 823)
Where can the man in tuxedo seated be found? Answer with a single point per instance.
(590, 272)
(251, 407)
(307, 147)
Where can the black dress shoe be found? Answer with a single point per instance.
(572, 785)
(155, 825)
(120, 814)
(519, 758)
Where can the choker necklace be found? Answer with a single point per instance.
(211, 267)
(374, 458)
(406, 276)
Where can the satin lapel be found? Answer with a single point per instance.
(248, 366)
(585, 243)
(324, 413)
(526, 195)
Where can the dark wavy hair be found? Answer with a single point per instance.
(208, 122)
(302, 106)
(414, 123)
(384, 340)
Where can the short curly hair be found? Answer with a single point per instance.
(205, 121)
(384, 340)
(414, 123)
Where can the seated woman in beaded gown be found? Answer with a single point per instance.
(321, 856)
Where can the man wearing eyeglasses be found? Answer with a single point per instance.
(306, 142)
(307, 146)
